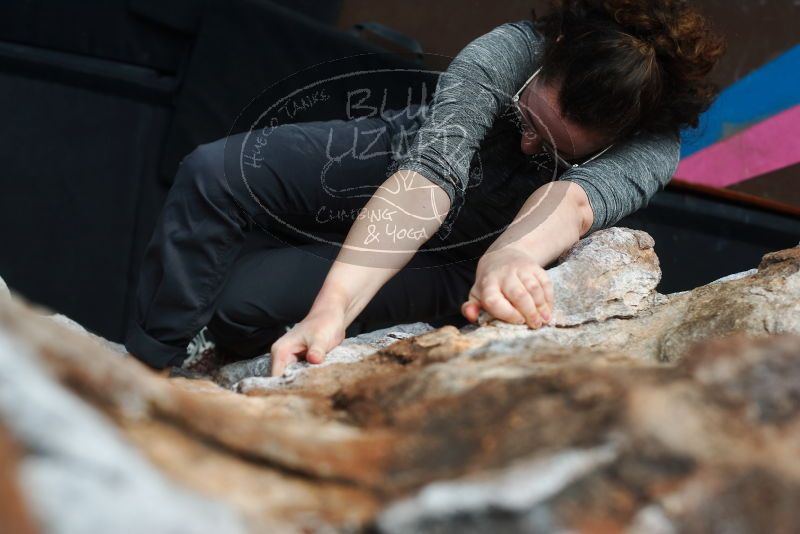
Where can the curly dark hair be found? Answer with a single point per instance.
(628, 65)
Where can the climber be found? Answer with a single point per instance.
(539, 132)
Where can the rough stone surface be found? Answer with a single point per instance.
(4, 292)
(757, 304)
(69, 323)
(633, 412)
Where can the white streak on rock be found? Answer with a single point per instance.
(516, 488)
(651, 520)
(734, 276)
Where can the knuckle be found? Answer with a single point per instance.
(518, 293)
(532, 286)
(536, 287)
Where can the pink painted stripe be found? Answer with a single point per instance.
(768, 146)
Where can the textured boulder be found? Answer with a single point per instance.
(693, 448)
(633, 412)
(758, 303)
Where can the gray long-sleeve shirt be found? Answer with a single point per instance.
(476, 89)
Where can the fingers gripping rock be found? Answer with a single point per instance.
(612, 273)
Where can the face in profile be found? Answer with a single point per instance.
(543, 124)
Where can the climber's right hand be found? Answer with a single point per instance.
(310, 339)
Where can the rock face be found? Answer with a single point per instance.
(632, 412)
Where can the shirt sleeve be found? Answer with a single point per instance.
(469, 95)
(624, 179)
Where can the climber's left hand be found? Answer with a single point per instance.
(511, 286)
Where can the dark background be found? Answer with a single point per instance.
(102, 98)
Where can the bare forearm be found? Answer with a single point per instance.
(405, 211)
(553, 218)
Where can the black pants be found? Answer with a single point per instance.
(244, 247)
